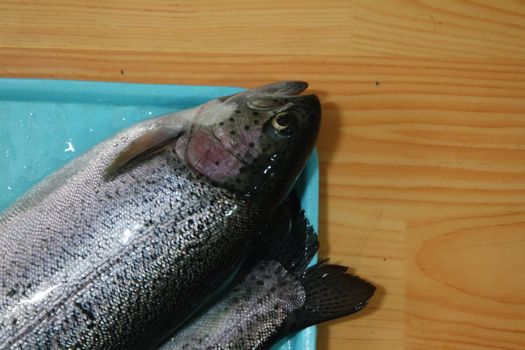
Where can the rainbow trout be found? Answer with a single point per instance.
(123, 244)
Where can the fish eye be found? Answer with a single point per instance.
(282, 125)
(281, 121)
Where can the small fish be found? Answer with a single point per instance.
(278, 296)
(123, 244)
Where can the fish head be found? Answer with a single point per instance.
(255, 143)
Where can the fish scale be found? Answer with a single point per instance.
(194, 228)
(249, 314)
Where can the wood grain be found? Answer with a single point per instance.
(422, 146)
(404, 27)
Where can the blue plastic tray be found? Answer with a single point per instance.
(46, 123)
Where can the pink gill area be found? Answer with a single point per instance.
(209, 157)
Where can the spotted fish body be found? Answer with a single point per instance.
(122, 245)
(276, 297)
(250, 315)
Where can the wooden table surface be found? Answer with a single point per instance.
(422, 145)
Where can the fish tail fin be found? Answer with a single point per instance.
(331, 292)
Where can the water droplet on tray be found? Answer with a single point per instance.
(70, 147)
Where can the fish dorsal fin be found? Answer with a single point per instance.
(144, 146)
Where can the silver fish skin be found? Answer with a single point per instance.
(277, 297)
(123, 244)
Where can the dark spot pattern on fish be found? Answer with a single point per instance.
(267, 314)
(158, 256)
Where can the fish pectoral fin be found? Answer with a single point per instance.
(143, 147)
